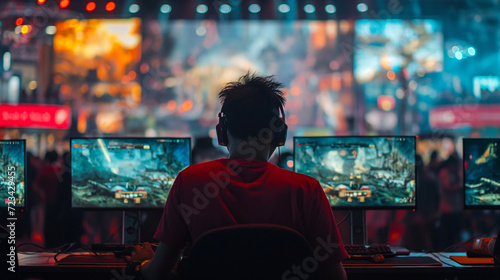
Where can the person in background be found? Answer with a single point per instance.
(420, 229)
(451, 220)
(46, 188)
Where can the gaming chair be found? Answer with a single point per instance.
(248, 252)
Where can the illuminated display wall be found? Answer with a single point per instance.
(173, 89)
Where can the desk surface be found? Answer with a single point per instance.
(39, 264)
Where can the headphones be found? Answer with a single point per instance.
(279, 138)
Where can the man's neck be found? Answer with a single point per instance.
(245, 150)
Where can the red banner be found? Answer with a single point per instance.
(35, 116)
(465, 115)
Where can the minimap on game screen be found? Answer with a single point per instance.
(12, 173)
(362, 172)
(125, 172)
(482, 172)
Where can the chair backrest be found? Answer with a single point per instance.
(248, 252)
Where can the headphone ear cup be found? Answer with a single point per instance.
(221, 134)
(280, 136)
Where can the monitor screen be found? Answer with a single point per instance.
(12, 173)
(360, 172)
(125, 172)
(482, 173)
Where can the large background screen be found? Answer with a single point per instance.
(125, 172)
(360, 172)
(162, 77)
(482, 172)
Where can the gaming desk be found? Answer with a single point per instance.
(43, 266)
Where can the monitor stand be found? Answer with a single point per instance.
(131, 231)
(131, 234)
(358, 227)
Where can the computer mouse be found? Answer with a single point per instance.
(378, 258)
(125, 252)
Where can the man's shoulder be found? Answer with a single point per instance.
(292, 175)
(292, 178)
(202, 167)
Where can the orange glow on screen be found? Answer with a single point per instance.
(99, 54)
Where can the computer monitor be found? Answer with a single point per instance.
(358, 172)
(12, 173)
(481, 173)
(125, 173)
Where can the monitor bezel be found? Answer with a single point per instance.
(124, 138)
(465, 205)
(371, 207)
(22, 208)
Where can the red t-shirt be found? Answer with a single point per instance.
(234, 191)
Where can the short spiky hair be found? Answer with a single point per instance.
(250, 104)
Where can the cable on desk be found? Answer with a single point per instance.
(32, 244)
(441, 260)
(452, 248)
(343, 219)
(70, 247)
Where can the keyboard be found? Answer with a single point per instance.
(364, 251)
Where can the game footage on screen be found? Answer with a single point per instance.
(482, 172)
(12, 175)
(360, 171)
(125, 173)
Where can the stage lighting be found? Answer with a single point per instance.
(19, 21)
(331, 9)
(110, 6)
(471, 51)
(254, 8)
(225, 8)
(284, 8)
(309, 8)
(458, 55)
(40, 2)
(90, 6)
(134, 8)
(25, 29)
(64, 4)
(362, 7)
(202, 8)
(50, 30)
(165, 8)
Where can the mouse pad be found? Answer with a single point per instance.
(464, 260)
(396, 261)
(91, 260)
